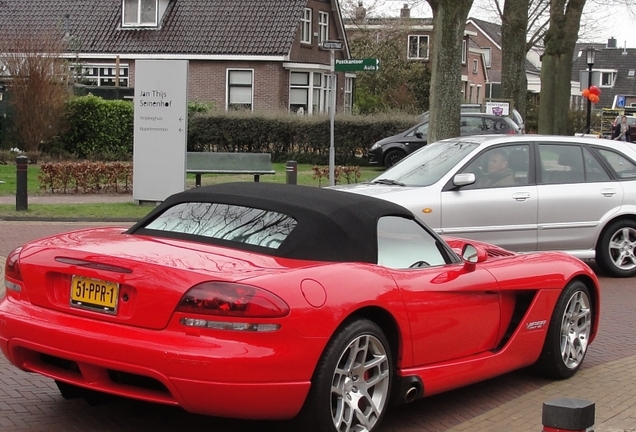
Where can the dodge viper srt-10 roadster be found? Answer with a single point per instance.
(273, 301)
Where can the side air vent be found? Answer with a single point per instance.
(498, 253)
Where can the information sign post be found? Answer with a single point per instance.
(332, 46)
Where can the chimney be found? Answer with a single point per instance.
(405, 12)
(611, 43)
(67, 26)
(361, 13)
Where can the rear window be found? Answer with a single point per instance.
(623, 168)
(226, 222)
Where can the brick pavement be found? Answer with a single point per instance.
(511, 403)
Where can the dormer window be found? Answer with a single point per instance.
(607, 77)
(140, 13)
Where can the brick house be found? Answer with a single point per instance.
(417, 33)
(248, 54)
(487, 36)
(613, 71)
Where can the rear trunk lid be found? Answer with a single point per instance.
(130, 279)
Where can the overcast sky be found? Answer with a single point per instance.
(613, 21)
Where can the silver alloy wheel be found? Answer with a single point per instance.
(621, 248)
(576, 326)
(360, 385)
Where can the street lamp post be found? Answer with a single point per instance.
(590, 54)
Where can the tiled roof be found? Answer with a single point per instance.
(390, 21)
(493, 31)
(197, 27)
(622, 60)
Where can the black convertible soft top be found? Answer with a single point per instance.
(331, 225)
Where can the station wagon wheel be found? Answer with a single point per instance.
(569, 333)
(393, 157)
(615, 252)
(352, 384)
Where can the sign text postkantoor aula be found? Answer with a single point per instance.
(352, 65)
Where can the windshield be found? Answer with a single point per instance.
(429, 164)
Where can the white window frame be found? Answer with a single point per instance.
(99, 74)
(138, 22)
(464, 51)
(329, 82)
(348, 94)
(298, 87)
(236, 85)
(316, 87)
(305, 26)
(323, 25)
(487, 56)
(609, 74)
(475, 66)
(418, 55)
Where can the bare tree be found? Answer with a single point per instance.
(514, 83)
(37, 82)
(556, 68)
(449, 22)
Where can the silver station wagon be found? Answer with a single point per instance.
(524, 193)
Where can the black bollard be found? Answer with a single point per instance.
(21, 196)
(291, 168)
(565, 415)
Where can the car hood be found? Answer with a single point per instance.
(155, 273)
(377, 190)
(391, 139)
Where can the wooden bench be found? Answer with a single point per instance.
(256, 164)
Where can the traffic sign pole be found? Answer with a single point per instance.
(332, 46)
(332, 150)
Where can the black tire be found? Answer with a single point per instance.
(616, 249)
(393, 157)
(569, 333)
(347, 394)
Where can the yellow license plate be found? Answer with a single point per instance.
(94, 294)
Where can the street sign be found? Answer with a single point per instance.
(332, 45)
(351, 65)
(620, 101)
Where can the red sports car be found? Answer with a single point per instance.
(270, 301)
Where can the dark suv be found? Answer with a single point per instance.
(389, 151)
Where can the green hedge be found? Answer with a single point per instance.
(305, 139)
(101, 129)
(98, 128)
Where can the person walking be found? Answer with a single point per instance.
(621, 131)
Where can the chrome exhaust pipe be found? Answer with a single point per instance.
(411, 394)
(408, 389)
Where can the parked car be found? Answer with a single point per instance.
(558, 193)
(391, 150)
(478, 108)
(270, 301)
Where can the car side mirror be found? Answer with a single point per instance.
(472, 255)
(464, 179)
(419, 135)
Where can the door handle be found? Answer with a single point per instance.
(520, 196)
(608, 192)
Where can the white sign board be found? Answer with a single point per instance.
(161, 129)
(498, 108)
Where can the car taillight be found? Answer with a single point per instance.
(511, 132)
(12, 270)
(225, 299)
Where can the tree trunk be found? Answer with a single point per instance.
(514, 83)
(556, 67)
(449, 22)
